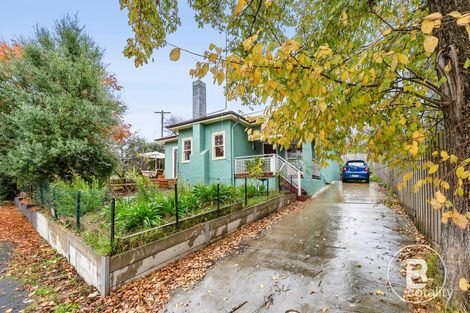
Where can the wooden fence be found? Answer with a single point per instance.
(427, 219)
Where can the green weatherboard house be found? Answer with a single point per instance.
(214, 148)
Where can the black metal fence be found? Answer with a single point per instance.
(113, 223)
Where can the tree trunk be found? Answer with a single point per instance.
(454, 50)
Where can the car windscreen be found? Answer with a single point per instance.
(356, 163)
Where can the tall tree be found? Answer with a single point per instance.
(395, 71)
(58, 107)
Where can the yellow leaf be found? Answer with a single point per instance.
(220, 77)
(213, 57)
(239, 7)
(434, 16)
(433, 168)
(322, 106)
(430, 43)
(387, 32)
(435, 153)
(445, 185)
(453, 158)
(460, 220)
(464, 284)
(379, 292)
(455, 14)
(407, 176)
(427, 26)
(459, 192)
(402, 58)
(418, 135)
(268, 3)
(445, 217)
(459, 171)
(436, 205)
(241, 90)
(440, 198)
(175, 54)
(444, 156)
(344, 18)
(464, 20)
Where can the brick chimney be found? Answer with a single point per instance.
(199, 99)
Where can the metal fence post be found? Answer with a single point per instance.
(176, 204)
(78, 209)
(218, 199)
(113, 216)
(246, 192)
(267, 188)
(43, 198)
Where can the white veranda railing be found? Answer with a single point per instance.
(273, 164)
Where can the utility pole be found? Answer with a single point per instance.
(163, 117)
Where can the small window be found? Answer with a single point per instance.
(187, 149)
(218, 145)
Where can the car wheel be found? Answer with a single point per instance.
(344, 180)
(367, 180)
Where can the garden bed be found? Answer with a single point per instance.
(105, 272)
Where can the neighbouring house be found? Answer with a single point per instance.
(215, 148)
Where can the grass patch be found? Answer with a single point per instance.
(67, 308)
(373, 178)
(44, 291)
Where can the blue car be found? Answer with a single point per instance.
(355, 170)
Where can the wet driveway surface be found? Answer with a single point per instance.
(331, 257)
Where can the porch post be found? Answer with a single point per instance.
(299, 184)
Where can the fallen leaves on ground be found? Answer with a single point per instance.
(40, 267)
(50, 280)
(151, 293)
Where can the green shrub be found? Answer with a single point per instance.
(63, 196)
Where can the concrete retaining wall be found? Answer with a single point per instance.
(140, 261)
(89, 265)
(106, 273)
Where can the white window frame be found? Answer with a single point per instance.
(214, 146)
(190, 139)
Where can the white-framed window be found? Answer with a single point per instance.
(218, 146)
(187, 149)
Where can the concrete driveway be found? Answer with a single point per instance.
(331, 257)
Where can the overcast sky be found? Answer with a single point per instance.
(160, 85)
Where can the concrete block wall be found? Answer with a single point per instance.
(91, 266)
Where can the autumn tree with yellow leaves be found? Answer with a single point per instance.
(393, 73)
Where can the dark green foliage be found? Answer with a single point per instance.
(57, 111)
(63, 196)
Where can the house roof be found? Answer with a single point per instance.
(209, 118)
(166, 139)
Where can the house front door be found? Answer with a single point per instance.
(268, 149)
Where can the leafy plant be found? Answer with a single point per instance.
(139, 215)
(63, 196)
